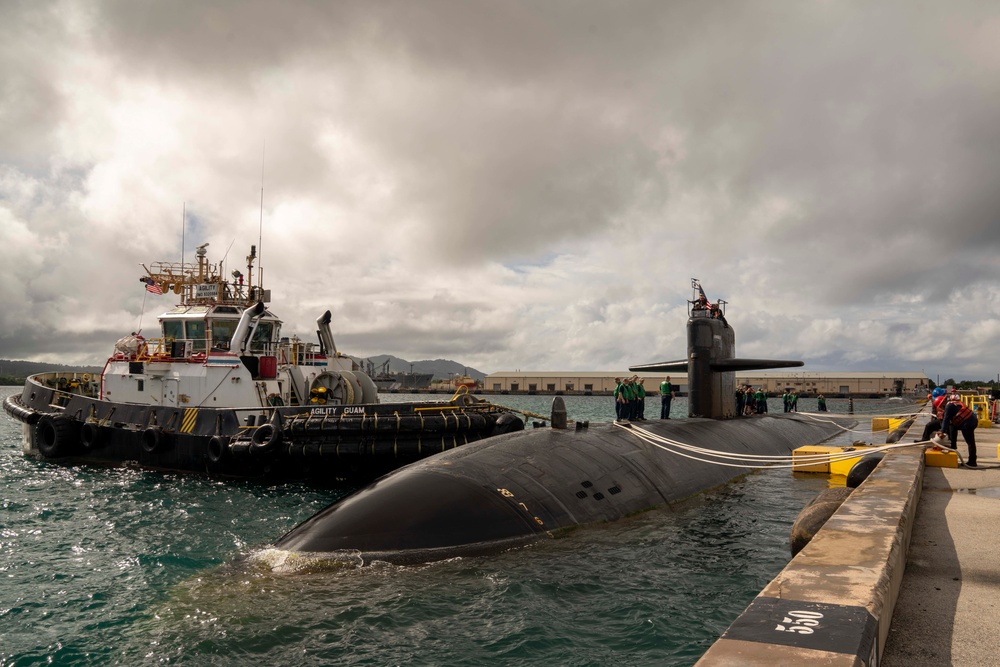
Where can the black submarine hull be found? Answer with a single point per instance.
(519, 488)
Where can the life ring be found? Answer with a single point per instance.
(90, 435)
(54, 435)
(265, 438)
(217, 447)
(85, 377)
(152, 438)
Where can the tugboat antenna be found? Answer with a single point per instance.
(183, 225)
(260, 228)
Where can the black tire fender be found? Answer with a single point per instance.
(152, 438)
(55, 435)
(217, 448)
(90, 435)
(265, 438)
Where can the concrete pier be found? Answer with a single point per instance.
(949, 603)
(906, 572)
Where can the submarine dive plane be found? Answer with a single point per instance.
(518, 488)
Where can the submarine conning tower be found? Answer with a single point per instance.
(711, 362)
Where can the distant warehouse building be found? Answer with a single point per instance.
(803, 382)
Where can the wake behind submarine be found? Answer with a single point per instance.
(518, 488)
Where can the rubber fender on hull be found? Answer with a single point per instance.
(217, 447)
(55, 435)
(460, 422)
(814, 515)
(13, 407)
(90, 435)
(860, 470)
(508, 422)
(153, 438)
(265, 438)
(899, 432)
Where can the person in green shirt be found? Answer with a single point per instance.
(666, 394)
(761, 400)
(640, 390)
(628, 412)
(619, 399)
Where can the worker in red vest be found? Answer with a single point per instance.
(959, 417)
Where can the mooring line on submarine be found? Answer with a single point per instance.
(807, 460)
(649, 436)
(464, 391)
(814, 416)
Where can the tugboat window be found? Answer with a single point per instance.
(222, 333)
(262, 336)
(196, 333)
(173, 329)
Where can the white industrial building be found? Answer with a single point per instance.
(830, 383)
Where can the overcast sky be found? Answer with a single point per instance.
(514, 185)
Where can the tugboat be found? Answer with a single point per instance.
(221, 392)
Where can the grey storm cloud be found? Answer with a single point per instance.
(827, 167)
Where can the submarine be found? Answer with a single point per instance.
(522, 487)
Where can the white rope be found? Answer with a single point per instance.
(740, 457)
(815, 416)
(668, 445)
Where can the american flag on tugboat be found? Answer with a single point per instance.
(152, 286)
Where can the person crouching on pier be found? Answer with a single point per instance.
(959, 417)
(938, 400)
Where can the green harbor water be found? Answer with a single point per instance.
(112, 566)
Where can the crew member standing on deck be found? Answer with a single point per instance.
(959, 417)
(821, 404)
(633, 398)
(740, 396)
(666, 393)
(625, 396)
(640, 389)
(793, 402)
(618, 399)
